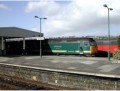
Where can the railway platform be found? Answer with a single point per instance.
(60, 65)
(92, 65)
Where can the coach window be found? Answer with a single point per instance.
(86, 43)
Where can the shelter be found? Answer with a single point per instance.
(14, 32)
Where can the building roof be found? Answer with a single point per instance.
(17, 32)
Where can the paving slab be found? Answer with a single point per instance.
(72, 64)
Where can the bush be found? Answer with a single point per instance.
(118, 41)
(116, 54)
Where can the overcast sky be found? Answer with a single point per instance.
(64, 17)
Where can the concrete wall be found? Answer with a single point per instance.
(64, 79)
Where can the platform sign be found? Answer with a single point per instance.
(40, 38)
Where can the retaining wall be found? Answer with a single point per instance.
(64, 79)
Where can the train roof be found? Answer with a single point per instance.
(67, 39)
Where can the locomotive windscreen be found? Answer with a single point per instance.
(93, 43)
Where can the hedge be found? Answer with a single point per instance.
(116, 54)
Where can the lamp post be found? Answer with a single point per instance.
(108, 30)
(40, 34)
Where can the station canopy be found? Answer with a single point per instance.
(17, 32)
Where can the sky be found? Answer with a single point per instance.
(64, 17)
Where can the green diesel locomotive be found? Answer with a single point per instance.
(86, 46)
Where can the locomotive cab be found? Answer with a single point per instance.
(93, 47)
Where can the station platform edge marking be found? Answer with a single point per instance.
(65, 71)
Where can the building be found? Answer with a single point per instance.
(14, 32)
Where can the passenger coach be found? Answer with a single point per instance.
(86, 46)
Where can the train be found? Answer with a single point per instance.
(73, 46)
(80, 46)
(102, 45)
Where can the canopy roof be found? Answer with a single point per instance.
(17, 32)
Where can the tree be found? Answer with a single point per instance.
(118, 41)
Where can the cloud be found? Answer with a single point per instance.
(46, 7)
(4, 7)
(76, 17)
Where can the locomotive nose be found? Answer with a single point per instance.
(93, 49)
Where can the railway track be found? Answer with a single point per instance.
(13, 83)
(8, 84)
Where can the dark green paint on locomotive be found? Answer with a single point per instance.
(70, 46)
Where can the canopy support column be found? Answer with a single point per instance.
(24, 52)
(3, 46)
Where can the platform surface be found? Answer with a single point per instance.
(72, 64)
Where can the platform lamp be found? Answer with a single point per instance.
(40, 34)
(108, 30)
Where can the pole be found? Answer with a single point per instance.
(108, 35)
(40, 40)
(108, 30)
(40, 34)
